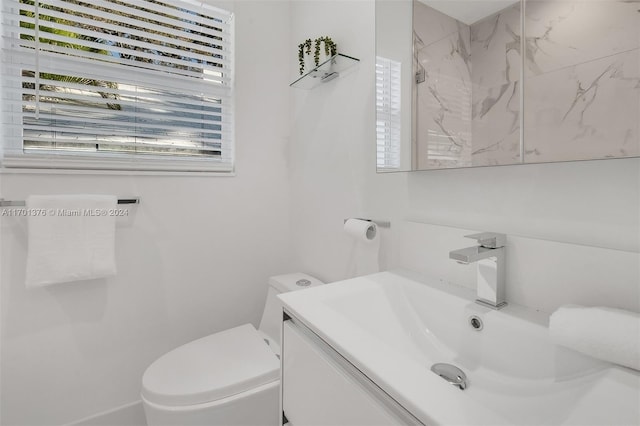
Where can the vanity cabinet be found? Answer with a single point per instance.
(320, 387)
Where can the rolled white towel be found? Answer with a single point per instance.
(608, 334)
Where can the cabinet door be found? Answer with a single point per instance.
(321, 388)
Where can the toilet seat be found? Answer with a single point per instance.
(211, 368)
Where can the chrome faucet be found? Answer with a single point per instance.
(489, 255)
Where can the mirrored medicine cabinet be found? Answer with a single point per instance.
(454, 88)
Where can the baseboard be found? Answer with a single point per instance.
(131, 414)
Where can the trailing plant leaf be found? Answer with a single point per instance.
(301, 57)
(330, 48)
(305, 45)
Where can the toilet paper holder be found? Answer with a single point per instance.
(380, 223)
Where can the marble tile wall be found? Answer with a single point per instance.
(443, 101)
(468, 106)
(495, 57)
(582, 80)
(581, 84)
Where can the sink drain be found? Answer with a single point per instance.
(475, 322)
(303, 283)
(452, 374)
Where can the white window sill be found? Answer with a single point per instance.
(114, 165)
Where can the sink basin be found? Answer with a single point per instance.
(394, 326)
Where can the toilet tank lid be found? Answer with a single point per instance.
(293, 281)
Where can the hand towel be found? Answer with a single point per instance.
(70, 238)
(608, 334)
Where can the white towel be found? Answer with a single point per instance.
(605, 333)
(70, 238)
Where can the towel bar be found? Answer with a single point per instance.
(8, 203)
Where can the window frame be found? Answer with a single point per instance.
(13, 158)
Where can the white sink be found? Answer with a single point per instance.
(394, 326)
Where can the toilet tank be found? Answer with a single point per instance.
(272, 315)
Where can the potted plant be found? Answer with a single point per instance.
(320, 54)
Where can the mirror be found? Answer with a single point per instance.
(453, 90)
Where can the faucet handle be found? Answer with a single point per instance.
(489, 239)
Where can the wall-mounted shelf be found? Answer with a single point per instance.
(326, 71)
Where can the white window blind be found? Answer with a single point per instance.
(388, 74)
(147, 81)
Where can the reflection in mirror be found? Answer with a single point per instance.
(582, 80)
(453, 89)
(456, 98)
(394, 84)
(467, 91)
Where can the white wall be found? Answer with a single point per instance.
(186, 267)
(540, 274)
(333, 139)
(594, 203)
(193, 258)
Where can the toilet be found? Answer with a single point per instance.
(228, 378)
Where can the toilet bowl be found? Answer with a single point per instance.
(230, 378)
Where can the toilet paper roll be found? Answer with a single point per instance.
(366, 247)
(362, 230)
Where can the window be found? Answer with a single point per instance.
(388, 113)
(131, 84)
